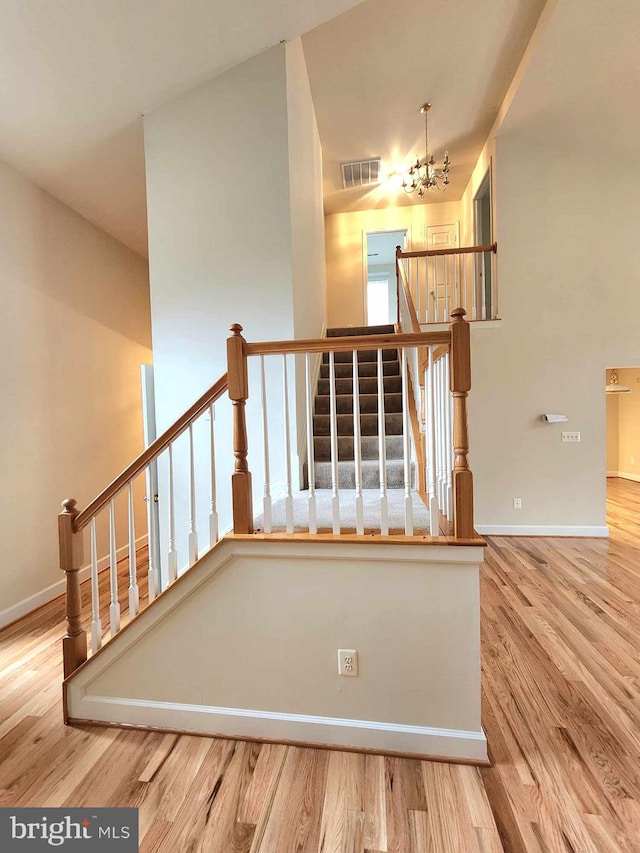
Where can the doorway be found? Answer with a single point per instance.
(381, 306)
(483, 225)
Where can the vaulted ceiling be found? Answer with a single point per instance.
(373, 66)
(77, 77)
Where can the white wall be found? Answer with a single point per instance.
(235, 235)
(275, 614)
(74, 319)
(566, 163)
(346, 251)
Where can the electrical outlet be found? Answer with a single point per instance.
(517, 503)
(348, 662)
(570, 437)
(632, 461)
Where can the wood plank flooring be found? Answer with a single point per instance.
(561, 676)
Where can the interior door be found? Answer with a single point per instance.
(442, 282)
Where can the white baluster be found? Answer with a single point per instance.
(333, 431)
(432, 303)
(153, 585)
(134, 593)
(449, 438)
(430, 437)
(443, 434)
(408, 500)
(357, 447)
(288, 503)
(213, 511)
(439, 433)
(96, 624)
(172, 557)
(193, 532)
(114, 607)
(443, 410)
(476, 285)
(494, 288)
(311, 470)
(418, 290)
(266, 500)
(445, 301)
(382, 451)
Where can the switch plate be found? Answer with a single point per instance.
(517, 503)
(570, 437)
(348, 662)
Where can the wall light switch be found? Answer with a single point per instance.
(570, 437)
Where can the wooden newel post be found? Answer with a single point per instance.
(398, 252)
(460, 384)
(238, 393)
(74, 643)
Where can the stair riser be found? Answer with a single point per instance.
(368, 424)
(365, 368)
(369, 446)
(366, 385)
(368, 404)
(370, 476)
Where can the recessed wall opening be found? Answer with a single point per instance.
(623, 422)
(380, 275)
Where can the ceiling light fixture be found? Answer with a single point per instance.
(424, 175)
(614, 387)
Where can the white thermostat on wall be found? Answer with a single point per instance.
(554, 419)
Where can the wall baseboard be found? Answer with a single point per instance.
(587, 530)
(276, 726)
(624, 475)
(44, 596)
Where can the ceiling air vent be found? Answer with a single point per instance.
(362, 173)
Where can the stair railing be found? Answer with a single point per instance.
(440, 376)
(286, 373)
(129, 485)
(440, 280)
(439, 359)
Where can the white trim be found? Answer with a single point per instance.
(44, 596)
(624, 475)
(591, 530)
(274, 725)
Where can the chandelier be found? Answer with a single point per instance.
(424, 175)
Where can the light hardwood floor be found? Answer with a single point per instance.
(561, 674)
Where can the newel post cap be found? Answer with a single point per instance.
(69, 506)
(236, 328)
(458, 313)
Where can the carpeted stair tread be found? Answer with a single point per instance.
(346, 357)
(343, 332)
(369, 447)
(368, 404)
(365, 368)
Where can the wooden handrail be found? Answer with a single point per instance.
(348, 343)
(147, 456)
(466, 250)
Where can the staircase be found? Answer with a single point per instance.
(368, 394)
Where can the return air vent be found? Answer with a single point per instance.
(362, 173)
